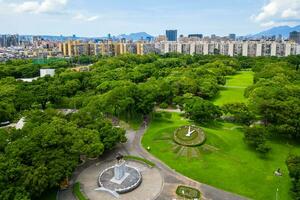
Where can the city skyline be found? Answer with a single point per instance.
(98, 18)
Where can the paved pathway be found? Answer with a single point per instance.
(171, 178)
(169, 110)
(235, 87)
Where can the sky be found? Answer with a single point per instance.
(95, 18)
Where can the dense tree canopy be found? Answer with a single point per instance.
(276, 98)
(47, 149)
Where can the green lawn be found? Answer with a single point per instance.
(224, 161)
(77, 192)
(237, 84)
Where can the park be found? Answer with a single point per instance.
(215, 153)
(156, 126)
(224, 161)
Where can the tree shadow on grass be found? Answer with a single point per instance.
(212, 124)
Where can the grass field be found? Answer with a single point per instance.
(224, 161)
(234, 88)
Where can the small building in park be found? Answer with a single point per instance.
(45, 72)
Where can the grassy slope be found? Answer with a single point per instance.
(231, 95)
(233, 167)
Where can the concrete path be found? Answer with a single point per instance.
(169, 110)
(235, 87)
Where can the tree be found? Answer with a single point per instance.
(47, 150)
(293, 164)
(275, 97)
(201, 110)
(6, 111)
(257, 137)
(240, 112)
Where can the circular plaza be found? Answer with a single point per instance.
(102, 173)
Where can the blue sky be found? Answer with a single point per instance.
(99, 17)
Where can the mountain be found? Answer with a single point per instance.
(135, 36)
(280, 30)
(58, 38)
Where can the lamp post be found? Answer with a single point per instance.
(277, 174)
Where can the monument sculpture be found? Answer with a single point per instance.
(189, 133)
(120, 178)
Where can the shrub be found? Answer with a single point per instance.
(163, 105)
(188, 192)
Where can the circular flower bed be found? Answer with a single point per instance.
(188, 192)
(195, 138)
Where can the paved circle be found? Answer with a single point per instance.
(131, 182)
(149, 189)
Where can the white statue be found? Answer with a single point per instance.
(189, 133)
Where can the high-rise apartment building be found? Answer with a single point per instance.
(232, 36)
(77, 48)
(171, 35)
(198, 36)
(9, 40)
(206, 46)
(295, 36)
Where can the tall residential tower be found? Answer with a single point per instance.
(171, 35)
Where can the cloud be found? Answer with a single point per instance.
(277, 12)
(83, 17)
(290, 13)
(270, 24)
(44, 6)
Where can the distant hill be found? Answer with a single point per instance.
(131, 36)
(135, 36)
(58, 38)
(280, 30)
